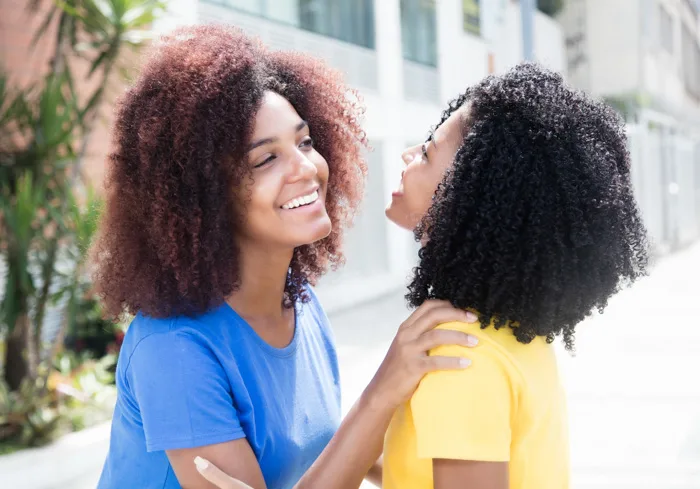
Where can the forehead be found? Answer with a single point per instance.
(274, 115)
(454, 124)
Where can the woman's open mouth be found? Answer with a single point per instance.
(301, 201)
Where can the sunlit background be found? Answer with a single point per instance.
(634, 393)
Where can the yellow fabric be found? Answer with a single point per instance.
(508, 406)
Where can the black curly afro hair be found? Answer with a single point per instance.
(535, 225)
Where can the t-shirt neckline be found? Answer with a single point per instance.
(264, 345)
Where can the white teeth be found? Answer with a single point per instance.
(299, 201)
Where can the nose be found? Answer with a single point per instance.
(411, 153)
(302, 168)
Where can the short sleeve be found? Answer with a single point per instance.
(465, 414)
(182, 393)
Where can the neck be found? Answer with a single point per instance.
(263, 275)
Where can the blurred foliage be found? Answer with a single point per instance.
(628, 104)
(69, 395)
(48, 216)
(550, 7)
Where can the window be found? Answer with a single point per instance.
(690, 53)
(348, 20)
(418, 31)
(665, 30)
(471, 17)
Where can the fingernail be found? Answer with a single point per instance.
(201, 463)
(464, 362)
(471, 317)
(473, 341)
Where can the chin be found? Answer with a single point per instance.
(398, 218)
(316, 233)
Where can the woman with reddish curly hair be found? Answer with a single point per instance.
(234, 172)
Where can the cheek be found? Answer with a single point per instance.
(419, 188)
(321, 167)
(258, 203)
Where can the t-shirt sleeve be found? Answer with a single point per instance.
(182, 393)
(465, 414)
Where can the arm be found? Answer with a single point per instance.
(375, 473)
(343, 464)
(358, 442)
(461, 474)
(185, 403)
(463, 421)
(234, 457)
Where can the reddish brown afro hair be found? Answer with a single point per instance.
(166, 245)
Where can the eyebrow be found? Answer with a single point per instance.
(431, 139)
(263, 142)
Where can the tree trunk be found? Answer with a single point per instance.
(21, 357)
(47, 274)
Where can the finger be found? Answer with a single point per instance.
(422, 310)
(439, 315)
(446, 363)
(216, 476)
(439, 337)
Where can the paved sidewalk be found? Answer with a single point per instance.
(633, 386)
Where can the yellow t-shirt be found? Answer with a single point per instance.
(508, 406)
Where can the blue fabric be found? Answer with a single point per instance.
(189, 382)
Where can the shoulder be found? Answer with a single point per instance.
(499, 343)
(493, 361)
(493, 343)
(160, 341)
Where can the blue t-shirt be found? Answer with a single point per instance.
(189, 382)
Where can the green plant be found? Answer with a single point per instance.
(47, 213)
(628, 104)
(72, 393)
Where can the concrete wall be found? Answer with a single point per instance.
(598, 32)
(548, 42)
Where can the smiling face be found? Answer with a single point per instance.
(284, 199)
(425, 168)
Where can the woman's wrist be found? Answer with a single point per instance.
(378, 400)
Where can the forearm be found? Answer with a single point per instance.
(375, 473)
(353, 450)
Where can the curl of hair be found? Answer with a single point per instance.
(535, 225)
(167, 242)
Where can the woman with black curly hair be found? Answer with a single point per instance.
(523, 204)
(234, 172)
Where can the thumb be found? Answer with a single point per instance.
(216, 476)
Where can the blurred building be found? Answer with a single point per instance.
(407, 58)
(643, 57)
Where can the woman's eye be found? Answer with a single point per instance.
(307, 143)
(265, 161)
(424, 150)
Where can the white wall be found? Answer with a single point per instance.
(178, 13)
(548, 42)
(613, 37)
(462, 57)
